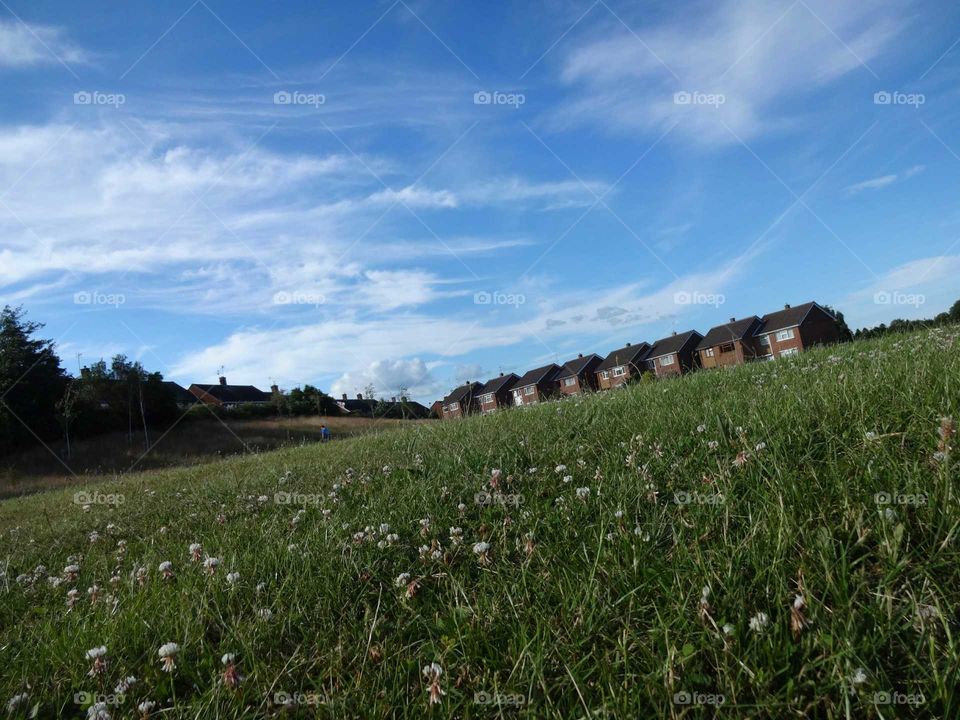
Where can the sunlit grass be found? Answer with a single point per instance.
(759, 483)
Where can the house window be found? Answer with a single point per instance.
(452, 407)
(708, 352)
(619, 371)
(764, 341)
(517, 393)
(785, 334)
(605, 375)
(789, 351)
(569, 382)
(667, 360)
(528, 390)
(487, 398)
(726, 347)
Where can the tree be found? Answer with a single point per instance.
(31, 382)
(845, 334)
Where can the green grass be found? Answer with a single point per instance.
(601, 620)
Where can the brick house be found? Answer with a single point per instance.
(794, 329)
(620, 365)
(436, 409)
(536, 385)
(227, 396)
(579, 374)
(674, 355)
(733, 343)
(495, 393)
(462, 401)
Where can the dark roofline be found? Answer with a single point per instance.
(535, 376)
(577, 365)
(495, 385)
(627, 355)
(669, 341)
(727, 333)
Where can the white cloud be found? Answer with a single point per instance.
(884, 180)
(759, 56)
(22, 45)
(388, 378)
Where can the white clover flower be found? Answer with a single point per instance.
(393, 538)
(713, 444)
(760, 446)
(402, 579)
(17, 701)
(583, 493)
(759, 622)
(859, 676)
(618, 514)
(146, 707)
(560, 468)
(166, 567)
(481, 549)
(98, 711)
(461, 507)
(71, 572)
(168, 653)
(568, 478)
(728, 629)
(228, 659)
(432, 672)
(233, 578)
(384, 528)
(211, 564)
(195, 550)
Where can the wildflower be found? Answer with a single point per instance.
(704, 607)
(481, 550)
(145, 708)
(461, 507)
(125, 684)
(115, 580)
(432, 672)
(870, 435)
(233, 578)
(98, 711)
(583, 493)
(141, 575)
(17, 701)
(859, 677)
(890, 515)
(71, 572)
(402, 579)
(741, 459)
(265, 614)
(759, 622)
(93, 592)
(495, 478)
(640, 533)
(384, 528)
(392, 538)
(166, 567)
(713, 444)
(797, 620)
(55, 581)
(168, 652)
(425, 526)
(231, 676)
(560, 468)
(98, 656)
(93, 537)
(211, 564)
(701, 428)
(728, 629)
(195, 551)
(760, 446)
(73, 596)
(456, 535)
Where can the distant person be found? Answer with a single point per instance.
(324, 433)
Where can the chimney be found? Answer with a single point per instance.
(674, 332)
(344, 396)
(501, 374)
(733, 319)
(579, 355)
(787, 306)
(275, 389)
(223, 380)
(628, 344)
(359, 396)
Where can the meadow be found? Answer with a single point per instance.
(771, 541)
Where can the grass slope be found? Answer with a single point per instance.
(574, 610)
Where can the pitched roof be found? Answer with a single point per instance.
(733, 330)
(672, 343)
(460, 392)
(182, 395)
(234, 393)
(498, 383)
(531, 377)
(788, 317)
(577, 365)
(627, 355)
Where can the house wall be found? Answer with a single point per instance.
(684, 362)
(743, 351)
(572, 389)
(778, 346)
(819, 329)
(614, 381)
(452, 414)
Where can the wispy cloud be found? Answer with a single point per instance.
(22, 45)
(884, 180)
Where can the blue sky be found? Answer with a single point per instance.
(416, 193)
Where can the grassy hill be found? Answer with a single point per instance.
(642, 556)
